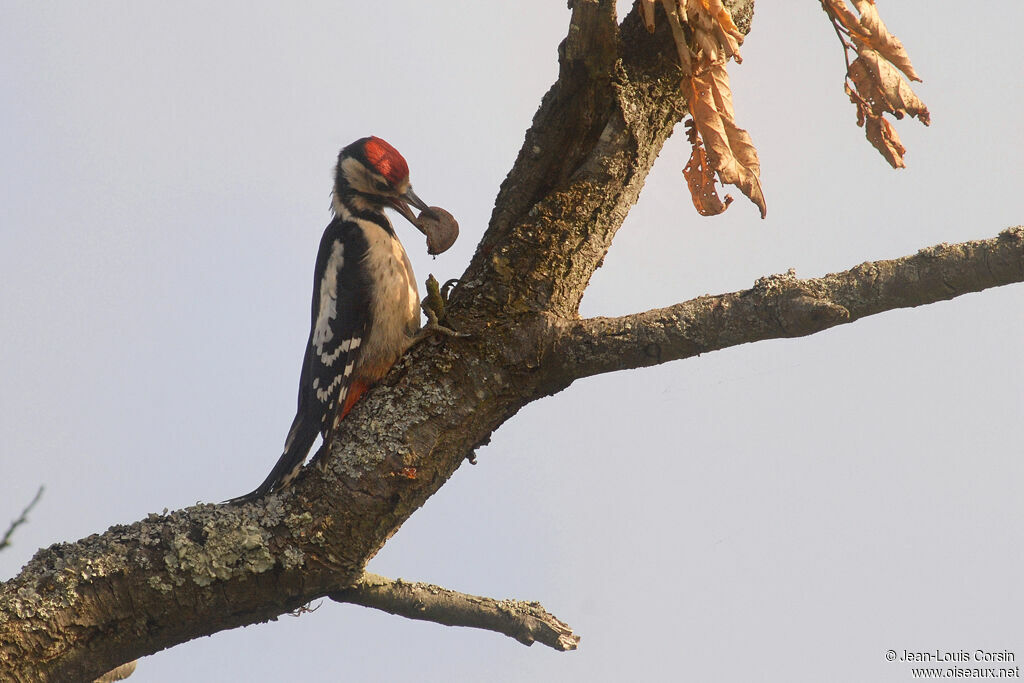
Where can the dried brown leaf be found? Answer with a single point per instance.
(726, 31)
(883, 136)
(863, 110)
(879, 83)
(849, 20)
(713, 30)
(874, 83)
(729, 148)
(700, 178)
(697, 16)
(708, 44)
(730, 46)
(879, 132)
(879, 38)
(721, 14)
(719, 145)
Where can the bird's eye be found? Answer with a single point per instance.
(381, 186)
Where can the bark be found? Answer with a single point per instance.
(527, 622)
(79, 609)
(783, 306)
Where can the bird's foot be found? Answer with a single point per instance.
(435, 329)
(434, 306)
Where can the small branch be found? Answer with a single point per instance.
(6, 540)
(841, 33)
(527, 622)
(784, 306)
(119, 674)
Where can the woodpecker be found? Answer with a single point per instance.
(365, 311)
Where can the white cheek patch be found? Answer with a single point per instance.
(354, 172)
(361, 178)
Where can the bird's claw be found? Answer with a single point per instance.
(434, 328)
(434, 307)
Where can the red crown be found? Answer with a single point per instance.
(386, 159)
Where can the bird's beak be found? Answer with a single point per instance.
(401, 204)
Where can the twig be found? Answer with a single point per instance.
(6, 540)
(841, 32)
(527, 622)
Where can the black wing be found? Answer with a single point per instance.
(339, 321)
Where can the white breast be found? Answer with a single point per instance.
(395, 305)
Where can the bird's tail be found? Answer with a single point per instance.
(300, 439)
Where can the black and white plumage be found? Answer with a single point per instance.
(365, 308)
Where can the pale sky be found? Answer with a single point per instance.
(787, 510)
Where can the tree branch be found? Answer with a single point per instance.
(22, 518)
(784, 306)
(527, 622)
(79, 609)
(582, 165)
(119, 674)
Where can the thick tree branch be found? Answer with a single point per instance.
(527, 622)
(784, 306)
(583, 163)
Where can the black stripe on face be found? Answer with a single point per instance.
(376, 217)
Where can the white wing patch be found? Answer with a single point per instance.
(324, 394)
(344, 347)
(328, 309)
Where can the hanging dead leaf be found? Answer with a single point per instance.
(879, 132)
(883, 136)
(879, 82)
(720, 147)
(877, 85)
(717, 9)
(700, 178)
(879, 38)
(729, 148)
(724, 29)
(868, 30)
(839, 12)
